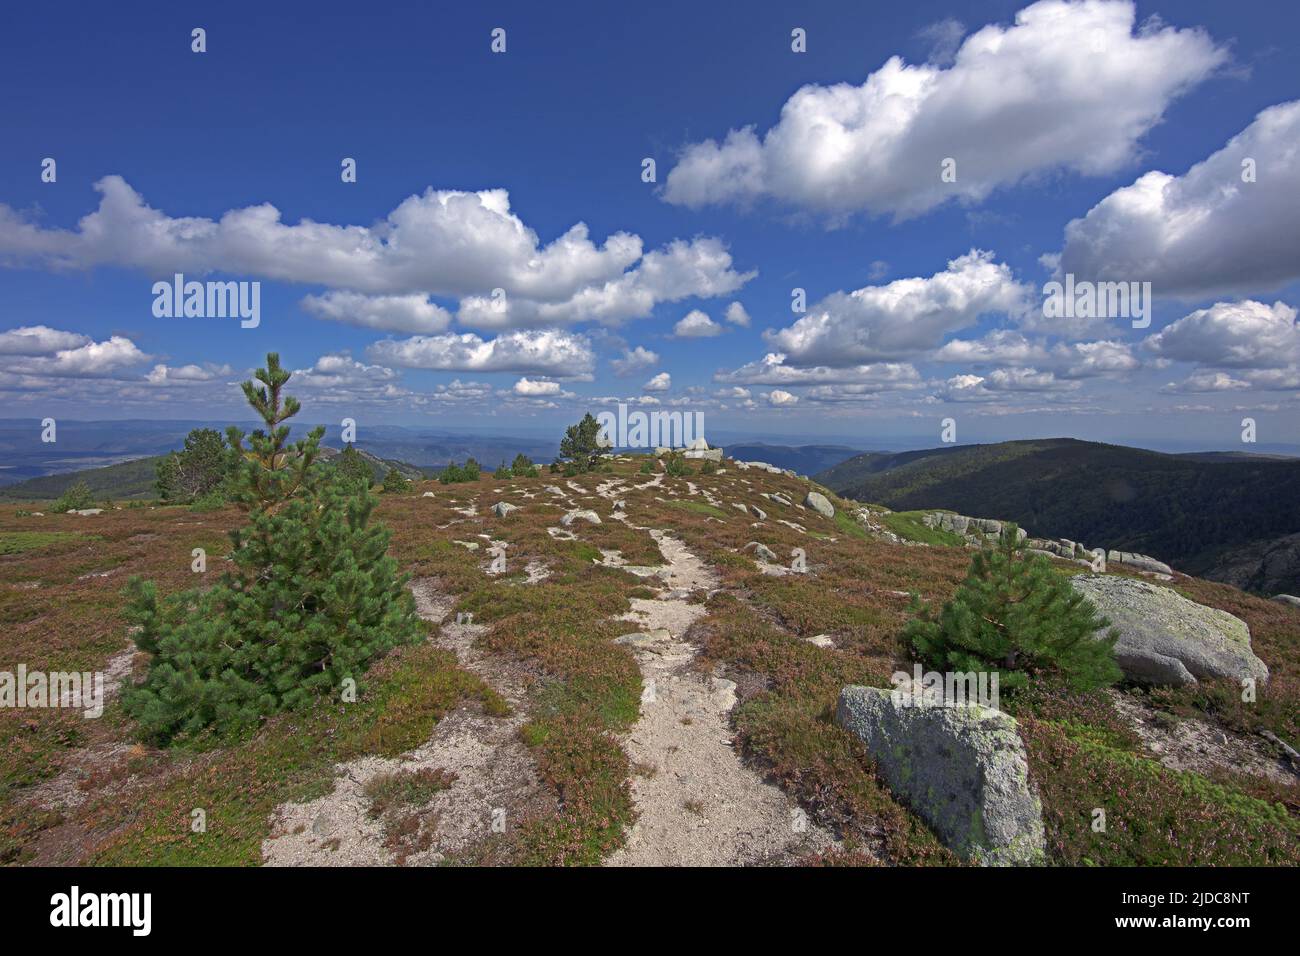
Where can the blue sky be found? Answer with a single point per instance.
(1093, 138)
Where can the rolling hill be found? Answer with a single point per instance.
(1231, 517)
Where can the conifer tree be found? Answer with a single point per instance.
(581, 444)
(313, 598)
(395, 482)
(353, 468)
(198, 470)
(1016, 615)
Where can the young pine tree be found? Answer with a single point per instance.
(1016, 615)
(354, 469)
(313, 598)
(395, 482)
(199, 470)
(76, 497)
(581, 444)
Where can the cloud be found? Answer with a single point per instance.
(999, 347)
(1242, 335)
(1206, 381)
(1000, 383)
(1091, 359)
(39, 340)
(778, 397)
(660, 383)
(633, 361)
(944, 38)
(533, 388)
(1206, 232)
(773, 370)
(966, 388)
(391, 313)
(737, 315)
(696, 325)
(339, 379)
(904, 317)
(440, 242)
(701, 267)
(540, 352)
(1068, 360)
(1070, 86)
(188, 374)
(42, 351)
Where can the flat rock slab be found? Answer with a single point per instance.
(962, 769)
(1166, 639)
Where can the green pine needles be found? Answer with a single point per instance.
(312, 601)
(1016, 615)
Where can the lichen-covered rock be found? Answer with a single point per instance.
(962, 769)
(503, 508)
(1287, 599)
(819, 503)
(761, 551)
(1166, 639)
(580, 515)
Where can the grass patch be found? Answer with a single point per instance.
(908, 526)
(406, 788)
(699, 508)
(20, 542)
(1154, 816)
(850, 526)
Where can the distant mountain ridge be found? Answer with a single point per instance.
(1226, 516)
(83, 446)
(803, 459)
(135, 479)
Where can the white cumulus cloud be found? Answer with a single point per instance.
(1069, 86)
(1206, 232)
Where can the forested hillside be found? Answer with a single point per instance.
(1191, 511)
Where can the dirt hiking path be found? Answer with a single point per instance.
(697, 803)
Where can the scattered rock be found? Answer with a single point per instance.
(1139, 561)
(1166, 639)
(819, 503)
(1287, 599)
(759, 513)
(761, 551)
(962, 769)
(821, 640)
(503, 508)
(583, 515)
(86, 512)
